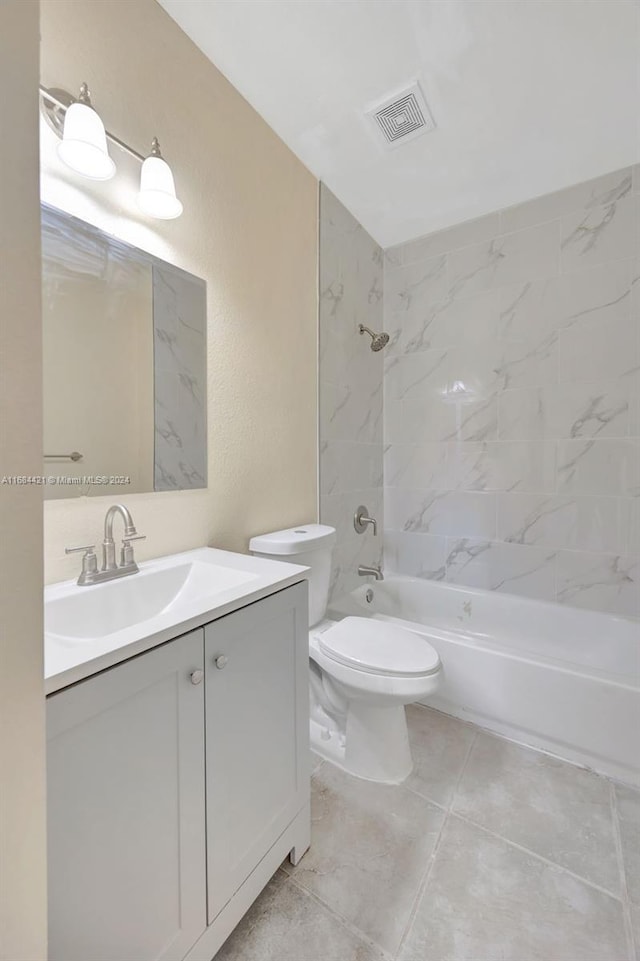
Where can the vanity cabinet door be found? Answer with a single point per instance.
(126, 831)
(257, 734)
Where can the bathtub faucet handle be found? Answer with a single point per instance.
(361, 520)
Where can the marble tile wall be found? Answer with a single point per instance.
(180, 377)
(351, 472)
(512, 399)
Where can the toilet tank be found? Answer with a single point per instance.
(310, 545)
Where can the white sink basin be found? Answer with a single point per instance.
(103, 609)
(88, 629)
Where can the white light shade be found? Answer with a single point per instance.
(84, 143)
(157, 195)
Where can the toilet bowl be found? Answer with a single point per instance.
(369, 671)
(362, 671)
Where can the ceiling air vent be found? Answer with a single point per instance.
(402, 117)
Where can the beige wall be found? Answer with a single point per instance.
(22, 770)
(249, 229)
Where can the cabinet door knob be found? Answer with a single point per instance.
(221, 661)
(196, 677)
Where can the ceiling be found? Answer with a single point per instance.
(528, 96)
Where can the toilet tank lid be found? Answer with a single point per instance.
(295, 540)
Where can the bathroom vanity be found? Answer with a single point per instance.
(178, 754)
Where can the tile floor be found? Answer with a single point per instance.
(488, 852)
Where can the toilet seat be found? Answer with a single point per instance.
(377, 647)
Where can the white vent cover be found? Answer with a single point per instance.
(402, 117)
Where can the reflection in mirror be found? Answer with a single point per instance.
(124, 360)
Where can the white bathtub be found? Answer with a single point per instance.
(553, 677)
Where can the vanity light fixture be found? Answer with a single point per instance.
(157, 195)
(84, 141)
(84, 149)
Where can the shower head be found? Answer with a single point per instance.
(378, 341)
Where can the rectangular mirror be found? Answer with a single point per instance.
(124, 361)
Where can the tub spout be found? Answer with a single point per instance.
(373, 571)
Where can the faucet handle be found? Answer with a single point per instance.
(361, 520)
(89, 562)
(75, 550)
(126, 552)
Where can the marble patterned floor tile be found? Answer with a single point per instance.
(370, 847)
(440, 746)
(552, 808)
(628, 802)
(486, 900)
(286, 924)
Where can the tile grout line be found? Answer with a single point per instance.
(449, 812)
(626, 909)
(348, 925)
(342, 921)
(546, 752)
(538, 857)
(424, 797)
(424, 880)
(476, 734)
(581, 208)
(432, 859)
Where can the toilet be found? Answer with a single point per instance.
(362, 671)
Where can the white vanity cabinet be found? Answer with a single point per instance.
(177, 783)
(125, 800)
(257, 761)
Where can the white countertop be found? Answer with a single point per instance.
(70, 659)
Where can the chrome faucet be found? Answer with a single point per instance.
(110, 570)
(373, 571)
(108, 545)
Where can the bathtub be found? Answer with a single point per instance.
(557, 678)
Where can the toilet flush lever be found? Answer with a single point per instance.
(361, 520)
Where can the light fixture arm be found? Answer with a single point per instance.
(61, 101)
